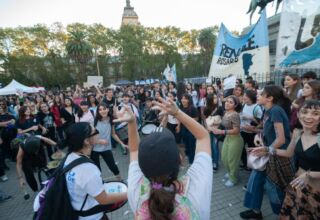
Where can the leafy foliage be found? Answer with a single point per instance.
(59, 55)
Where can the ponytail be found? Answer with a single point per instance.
(162, 198)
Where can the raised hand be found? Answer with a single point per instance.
(166, 107)
(124, 115)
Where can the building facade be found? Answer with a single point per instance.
(129, 16)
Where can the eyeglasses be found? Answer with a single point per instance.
(94, 133)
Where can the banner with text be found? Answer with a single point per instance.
(299, 35)
(243, 56)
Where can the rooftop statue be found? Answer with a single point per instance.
(128, 4)
(262, 4)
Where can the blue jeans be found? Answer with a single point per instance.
(214, 149)
(255, 188)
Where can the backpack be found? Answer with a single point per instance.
(54, 199)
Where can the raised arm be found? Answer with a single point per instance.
(126, 115)
(99, 93)
(198, 131)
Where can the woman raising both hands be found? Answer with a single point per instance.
(155, 191)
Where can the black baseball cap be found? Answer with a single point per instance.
(76, 134)
(159, 154)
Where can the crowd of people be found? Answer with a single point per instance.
(199, 127)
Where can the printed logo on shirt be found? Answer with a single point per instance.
(71, 177)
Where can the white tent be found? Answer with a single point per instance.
(13, 87)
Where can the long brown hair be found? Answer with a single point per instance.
(315, 85)
(22, 111)
(162, 201)
(294, 90)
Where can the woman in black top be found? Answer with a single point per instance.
(187, 137)
(67, 113)
(27, 123)
(30, 156)
(213, 109)
(302, 195)
(7, 132)
(46, 123)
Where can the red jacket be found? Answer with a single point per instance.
(56, 112)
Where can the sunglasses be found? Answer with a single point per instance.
(94, 133)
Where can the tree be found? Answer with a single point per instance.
(207, 40)
(80, 51)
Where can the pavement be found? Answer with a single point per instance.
(226, 203)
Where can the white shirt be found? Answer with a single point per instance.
(86, 117)
(172, 120)
(134, 110)
(250, 111)
(194, 96)
(198, 192)
(82, 180)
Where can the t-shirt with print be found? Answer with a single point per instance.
(272, 115)
(82, 180)
(199, 189)
(47, 121)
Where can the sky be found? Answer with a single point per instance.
(186, 14)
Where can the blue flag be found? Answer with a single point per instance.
(242, 56)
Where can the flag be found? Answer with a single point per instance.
(299, 35)
(166, 70)
(172, 75)
(242, 56)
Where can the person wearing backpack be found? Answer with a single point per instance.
(154, 189)
(301, 199)
(85, 179)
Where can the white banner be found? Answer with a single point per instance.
(299, 35)
(95, 80)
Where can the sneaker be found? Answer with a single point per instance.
(229, 183)
(226, 175)
(215, 167)
(4, 178)
(245, 188)
(250, 214)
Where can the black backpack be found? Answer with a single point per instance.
(54, 199)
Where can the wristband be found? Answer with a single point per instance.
(271, 150)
